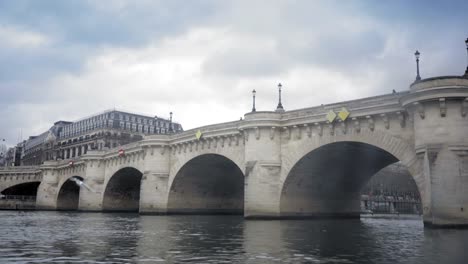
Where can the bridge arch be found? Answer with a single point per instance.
(68, 196)
(207, 184)
(324, 177)
(122, 191)
(23, 189)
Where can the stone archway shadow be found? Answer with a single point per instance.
(69, 195)
(326, 182)
(207, 184)
(122, 192)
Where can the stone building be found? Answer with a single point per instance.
(13, 157)
(3, 153)
(109, 129)
(36, 148)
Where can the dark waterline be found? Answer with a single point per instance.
(59, 237)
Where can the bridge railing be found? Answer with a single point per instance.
(358, 105)
(227, 126)
(124, 147)
(19, 168)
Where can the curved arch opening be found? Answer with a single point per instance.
(122, 192)
(69, 195)
(207, 184)
(28, 189)
(328, 181)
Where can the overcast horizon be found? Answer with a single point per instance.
(64, 60)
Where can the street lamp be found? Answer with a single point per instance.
(253, 97)
(466, 71)
(416, 54)
(279, 108)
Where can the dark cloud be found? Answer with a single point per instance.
(95, 23)
(79, 29)
(349, 49)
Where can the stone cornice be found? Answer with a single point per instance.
(434, 95)
(439, 82)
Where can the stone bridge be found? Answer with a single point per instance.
(308, 162)
(20, 180)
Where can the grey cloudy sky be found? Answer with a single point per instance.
(63, 60)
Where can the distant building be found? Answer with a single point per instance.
(67, 140)
(12, 157)
(36, 149)
(3, 153)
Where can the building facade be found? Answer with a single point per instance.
(109, 129)
(3, 153)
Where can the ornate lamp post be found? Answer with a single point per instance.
(466, 71)
(253, 97)
(279, 108)
(416, 54)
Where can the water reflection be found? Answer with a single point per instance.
(128, 238)
(213, 239)
(263, 242)
(445, 246)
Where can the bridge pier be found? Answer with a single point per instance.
(47, 191)
(261, 190)
(446, 173)
(438, 107)
(263, 165)
(155, 181)
(91, 199)
(153, 195)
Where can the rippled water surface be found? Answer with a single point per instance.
(46, 237)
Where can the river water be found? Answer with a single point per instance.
(58, 237)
